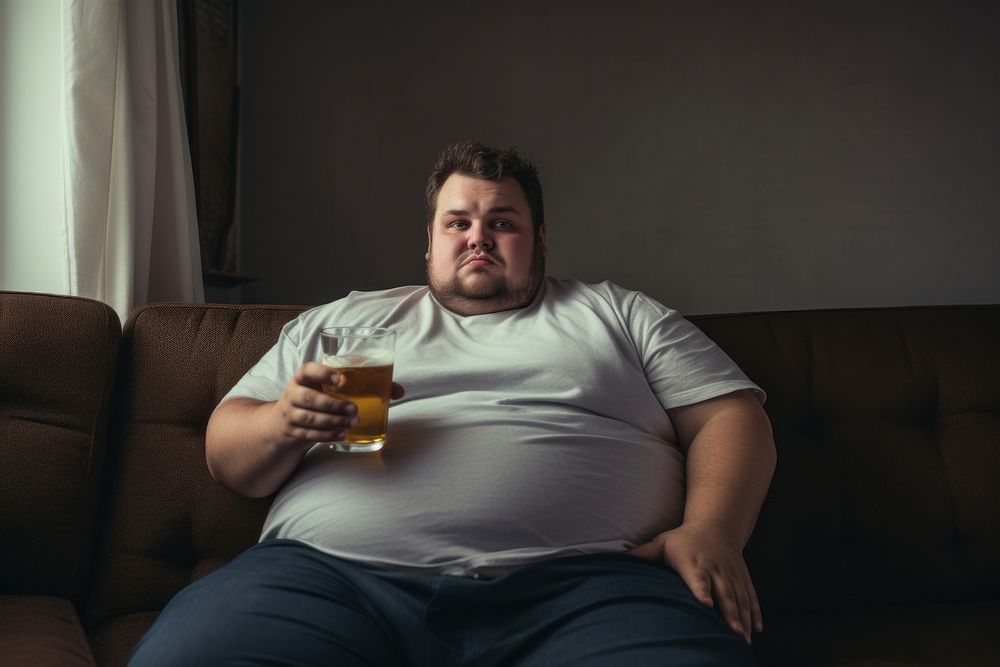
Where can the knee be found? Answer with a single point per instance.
(168, 644)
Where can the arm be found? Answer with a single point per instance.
(254, 446)
(730, 460)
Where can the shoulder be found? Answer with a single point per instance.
(358, 299)
(607, 295)
(382, 298)
(358, 308)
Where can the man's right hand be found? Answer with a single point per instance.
(305, 414)
(254, 446)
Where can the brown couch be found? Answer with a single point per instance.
(879, 543)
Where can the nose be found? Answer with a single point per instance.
(479, 238)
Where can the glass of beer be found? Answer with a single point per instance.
(364, 357)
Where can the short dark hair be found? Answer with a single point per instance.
(471, 158)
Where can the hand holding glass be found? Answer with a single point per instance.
(364, 357)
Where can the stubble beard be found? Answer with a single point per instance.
(491, 297)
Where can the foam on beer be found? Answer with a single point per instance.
(356, 360)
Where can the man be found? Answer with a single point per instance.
(571, 474)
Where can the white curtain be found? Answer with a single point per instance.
(130, 218)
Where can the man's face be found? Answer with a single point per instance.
(483, 255)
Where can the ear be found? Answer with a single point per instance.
(428, 254)
(541, 239)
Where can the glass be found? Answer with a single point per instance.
(364, 357)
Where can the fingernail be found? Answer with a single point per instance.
(354, 422)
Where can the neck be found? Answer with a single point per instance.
(466, 306)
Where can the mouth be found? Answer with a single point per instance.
(478, 260)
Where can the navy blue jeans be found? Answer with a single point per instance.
(284, 603)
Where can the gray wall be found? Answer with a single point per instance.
(721, 156)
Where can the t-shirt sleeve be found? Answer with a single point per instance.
(267, 378)
(682, 364)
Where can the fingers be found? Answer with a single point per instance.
(303, 424)
(312, 435)
(716, 574)
(735, 604)
(727, 592)
(314, 374)
(649, 551)
(314, 400)
(324, 414)
(307, 413)
(755, 612)
(698, 581)
(745, 623)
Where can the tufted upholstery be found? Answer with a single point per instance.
(879, 543)
(887, 491)
(57, 370)
(167, 521)
(57, 367)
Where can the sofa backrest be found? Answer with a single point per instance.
(166, 521)
(57, 371)
(887, 424)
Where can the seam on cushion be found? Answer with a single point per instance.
(950, 485)
(81, 636)
(234, 325)
(167, 422)
(196, 320)
(912, 367)
(773, 333)
(87, 432)
(810, 367)
(283, 314)
(934, 429)
(840, 528)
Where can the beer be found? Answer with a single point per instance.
(367, 383)
(364, 357)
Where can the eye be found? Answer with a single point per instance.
(503, 223)
(457, 224)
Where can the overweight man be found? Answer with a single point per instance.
(571, 474)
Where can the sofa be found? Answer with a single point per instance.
(878, 544)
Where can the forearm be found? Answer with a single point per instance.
(730, 463)
(244, 453)
(730, 460)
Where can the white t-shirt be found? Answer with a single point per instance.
(524, 434)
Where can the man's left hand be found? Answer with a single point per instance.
(713, 569)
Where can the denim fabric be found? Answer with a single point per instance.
(283, 603)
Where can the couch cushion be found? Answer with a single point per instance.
(956, 635)
(44, 631)
(887, 424)
(114, 641)
(167, 522)
(57, 369)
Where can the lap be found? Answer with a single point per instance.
(606, 609)
(284, 603)
(279, 603)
